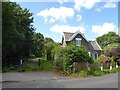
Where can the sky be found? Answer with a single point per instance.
(92, 17)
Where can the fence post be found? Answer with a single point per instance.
(101, 66)
(111, 66)
(88, 67)
(116, 64)
(73, 67)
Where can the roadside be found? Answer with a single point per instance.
(43, 75)
(106, 81)
(30, 76)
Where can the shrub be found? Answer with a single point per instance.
(83, 73)
(45, 65)
(64, 57)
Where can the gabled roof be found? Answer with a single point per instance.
(94, 45)
(76, 33)
(70, 36)
(67, 35)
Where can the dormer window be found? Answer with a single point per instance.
(78, 41)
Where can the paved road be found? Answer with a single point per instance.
(51, 80)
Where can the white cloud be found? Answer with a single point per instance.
(66, 28)
(79, 17)
(99, 30)
(56, 14)
(88, 4)
(110, 5)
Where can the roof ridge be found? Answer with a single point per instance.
(68, 32)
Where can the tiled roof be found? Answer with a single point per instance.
(67, 35)
(94, 45)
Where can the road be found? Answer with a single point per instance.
(51, 80)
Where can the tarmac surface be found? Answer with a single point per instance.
(52, 80)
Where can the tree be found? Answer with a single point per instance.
(78, 53)
(108, 39)
(49, 46)
(110, 47)
(38, 44)
(112, 50)
(48, 40)
(103, 58)
(17, 31)
(64, 57)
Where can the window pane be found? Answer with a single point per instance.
(78, 42)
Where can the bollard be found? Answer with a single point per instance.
(39, 62)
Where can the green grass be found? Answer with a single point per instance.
(95, 72)
(105, 71)
(10, 68)
(45, 65)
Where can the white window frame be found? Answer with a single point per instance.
(78, 39)
(89, 53)
(95, 56)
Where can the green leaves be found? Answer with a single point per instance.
(65, 56)
(110, 47)
(78, 54)
(37, 44)
(107, 39)
(17, 30)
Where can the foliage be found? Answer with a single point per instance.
(115, 53)
(64, 57)
(112, 59)
(108, 39)
(49, 46)
(102, 58)
(17, 30)
(78, 53)
(97, 72)
(110, 47)
(19, 37)
(94, 72)
(112, 51)
(45, 65)
(48, 40)
(37, 45)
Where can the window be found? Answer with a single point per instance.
(95, 56)
(78, 41)
(89, 53)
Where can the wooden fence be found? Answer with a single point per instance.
(79, 66)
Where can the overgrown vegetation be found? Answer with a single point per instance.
(94, 72)
(33, 66)
(21, 41)
(108, 39)
(65, 57)
(19, 37)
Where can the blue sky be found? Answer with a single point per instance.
(93, 18)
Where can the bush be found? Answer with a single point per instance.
(83, 73)
(106, 71)
(64, 57)
(98, 73)
(45, 65)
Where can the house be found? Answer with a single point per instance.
(80, 39)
